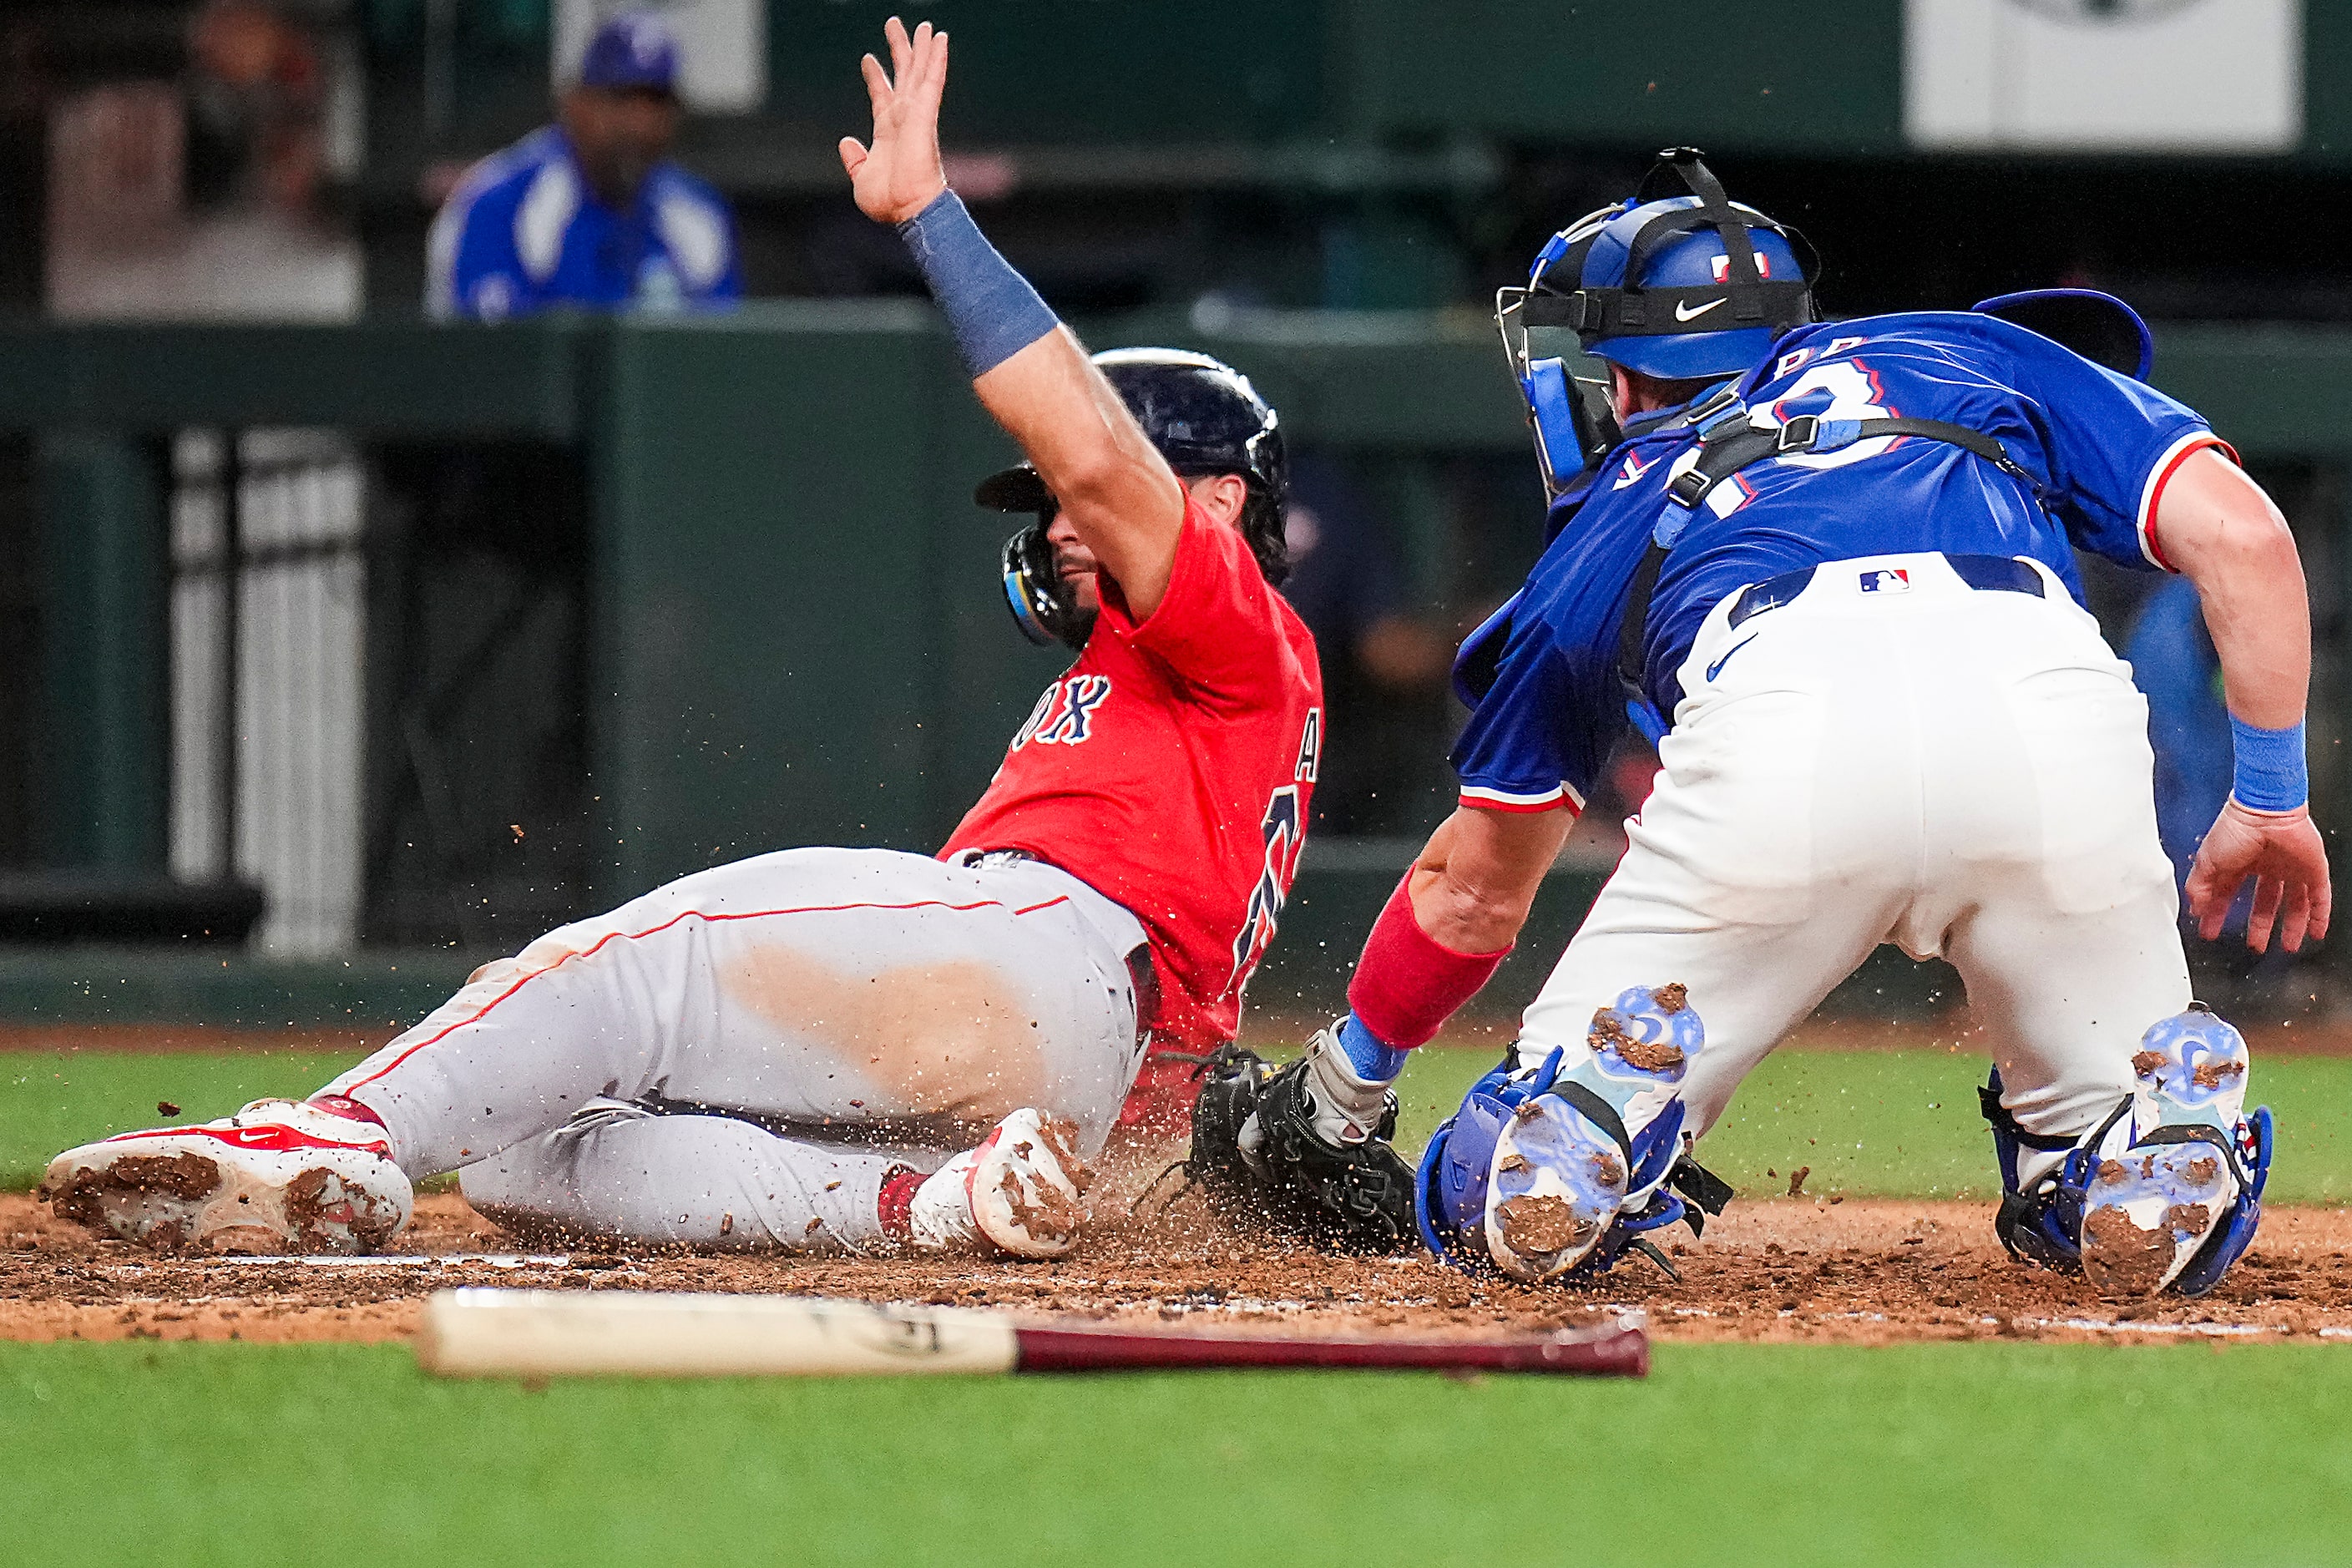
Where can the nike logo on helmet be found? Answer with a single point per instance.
(1684, 313)
(1717, 668)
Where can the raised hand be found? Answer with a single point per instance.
(2283, 853)
(899, 175)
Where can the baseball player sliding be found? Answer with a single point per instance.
(1829, 568)
(809, 1048)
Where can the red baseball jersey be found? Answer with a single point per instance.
(1170, 770)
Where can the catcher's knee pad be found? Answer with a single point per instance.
(1548, 1169)
(2165, 1192)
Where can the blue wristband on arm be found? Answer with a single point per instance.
(1374, 1059)
(2270, 773)
(991, 309)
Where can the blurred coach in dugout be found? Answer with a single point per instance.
(589, 212)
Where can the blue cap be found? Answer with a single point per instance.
(635, 49)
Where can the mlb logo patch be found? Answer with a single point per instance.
(1722, 268)
(1892, 580)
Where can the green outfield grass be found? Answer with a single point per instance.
(1869, 1123)
(1992, 1453)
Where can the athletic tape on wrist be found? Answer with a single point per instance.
(991, 309)
(2271, 774)
(1407, 984)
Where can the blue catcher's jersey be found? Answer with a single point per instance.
(522, 233)
(1541, 675)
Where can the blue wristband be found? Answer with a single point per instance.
(991, 309)
(2270, 773)
(1374, 1059)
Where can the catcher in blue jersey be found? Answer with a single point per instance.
(1829, 569)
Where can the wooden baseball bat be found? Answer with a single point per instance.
(486, 1332)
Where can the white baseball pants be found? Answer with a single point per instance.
(1959, 771)
(868, 1008)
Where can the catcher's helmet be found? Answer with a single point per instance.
(1205, 419)
(1673, 286)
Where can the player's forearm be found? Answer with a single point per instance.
(2257, 608)
(1444, 932)
(1103, 472)
(1035, 379)
(2223, 533)
(1475, 882)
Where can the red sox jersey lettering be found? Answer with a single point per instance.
(1065, 715)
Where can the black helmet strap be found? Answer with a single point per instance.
(1628, 310)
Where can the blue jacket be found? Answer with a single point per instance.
(523, 232)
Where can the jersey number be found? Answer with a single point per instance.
(1839, 389)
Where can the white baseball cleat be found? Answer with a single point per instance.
(2174, 1169)
(281, 1175)
(1587, 1143)
(1022, 1191)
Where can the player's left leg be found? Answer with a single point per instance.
(2117, 1107)
(2123, 1148)
(621, 1171)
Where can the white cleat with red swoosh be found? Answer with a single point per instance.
(281, 1175)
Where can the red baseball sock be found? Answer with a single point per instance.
(898, 1184)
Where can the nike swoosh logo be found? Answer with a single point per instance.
(1684, 313)
(1717, 668)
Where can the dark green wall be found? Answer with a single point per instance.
(799, 640)
(103, 755)
(1071, 71)
(797, 635)
(1826, 76)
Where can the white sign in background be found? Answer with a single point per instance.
(2170, 76)
(722, 47)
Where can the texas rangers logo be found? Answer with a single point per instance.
(1064, 714)
(1893, 581)
(1285, 834)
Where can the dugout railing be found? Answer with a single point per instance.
(629, 598)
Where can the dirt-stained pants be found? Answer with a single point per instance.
(864, 1008)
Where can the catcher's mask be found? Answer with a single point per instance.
(1676, 287)
(1206, 418)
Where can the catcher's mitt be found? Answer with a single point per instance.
(1256, 1155)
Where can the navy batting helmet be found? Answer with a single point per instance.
(1206, 418)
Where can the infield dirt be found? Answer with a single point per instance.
(1869, 1271)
